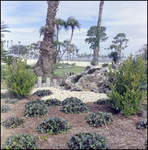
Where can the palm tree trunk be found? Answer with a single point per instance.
(45, 64)
(96, 50)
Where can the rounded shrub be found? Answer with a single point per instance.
(88, 141)
(21, 141)
(102, 101)
(42, 93)
(53, 102)
(75, 108)
(105, 65)
(20, 81)
(31, 102)
(53, 126)
(12, 122)
(36, 110)
(71, 100)
(142, 124)
(99, 118)
(11, 101)
(5, 108)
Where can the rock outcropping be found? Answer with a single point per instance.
(93, 78)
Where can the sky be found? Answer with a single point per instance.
(24, 19)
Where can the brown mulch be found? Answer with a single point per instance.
(120, 134)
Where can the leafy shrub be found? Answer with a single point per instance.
(5, 108)
(36, 110)
(99, 118)
(53, 126)
(3, 72)
(11, 101)
(142, 124)
(88, 141)
(75, 108)
(71, 100)
(102, 101)
(19, 80)
(53, 102)
(105, 65)
(126, 92)
(31, 102)
(21, 141)
(42, 93)
(12, 122)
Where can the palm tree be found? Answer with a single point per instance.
(95, 55)
(115, 56)
(11, 46)
(18, 47)
(3, 29)
(45, 64)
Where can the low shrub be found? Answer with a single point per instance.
(88, 141)
(12, 122)
(142, 124)
(99, 118)
(105, 65)
(71, 100)
(102, 101)
(3, 72)
(31, 102)
(21, 141)
(42, 93)
(19, 80)
(53, 102)
(53, 126)
(11, 101)
(36, 110)
(5, 108)
(75, 108)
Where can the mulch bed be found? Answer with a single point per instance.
(120, 134)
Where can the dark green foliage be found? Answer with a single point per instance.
(105, 65)
(99, 118)
(36, 110)
(75, 108)
(71, 100)
(88, 141)
(3, 72)
(117, 110)
(102, 101)
(21, 141)
(115, 56)
(5, 108)
(19, 80)
(126, 88)
(12, 122)
(11, 101)
(142, 124)
(31, 102)
(53, 126)
(53, 102)
(42, 93)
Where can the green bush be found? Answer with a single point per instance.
(31, 102)
(142, 124)
(21, 141)
(11, 101)
(75, 108)
(53, 102)
(126, 88)
(99, 118)
(105, 65)
(3, 72)
(88, 141)
(42, 93)
(5, 108)
(12, 122)
(71, 100)
(53, 126)
(19, 80)
(36, 110)
(102, 101)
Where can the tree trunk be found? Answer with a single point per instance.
(45, 64)
(96, 50)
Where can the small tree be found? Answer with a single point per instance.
(115, 56)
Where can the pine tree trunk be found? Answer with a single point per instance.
(45, 64)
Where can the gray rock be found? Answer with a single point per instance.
(93, 78)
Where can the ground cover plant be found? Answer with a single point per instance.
(142, 124)
(12, 122)
(21, 141)
(88, 141)
(11, 101)
(42, 93)
(54, 125)
(53, 102)
(99, 118)
(102, 101)
(31, 102)
(71, 100)
(5, 108)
